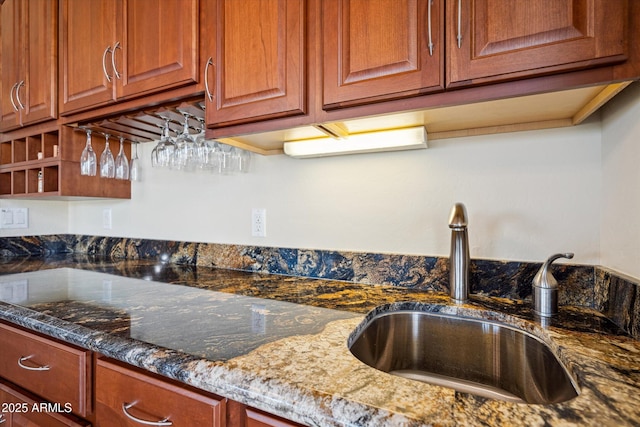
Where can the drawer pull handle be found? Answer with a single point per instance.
(162, 422)
(31, 368)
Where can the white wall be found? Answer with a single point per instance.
(620, 243)
(45, 217)
(528, 195)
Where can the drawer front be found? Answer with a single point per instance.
(56, 372)
(259, 419)
(127, 397)
(19, 408)
(241, 415)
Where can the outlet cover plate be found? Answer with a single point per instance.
(259, 222)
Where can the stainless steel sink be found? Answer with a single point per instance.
(475, 356)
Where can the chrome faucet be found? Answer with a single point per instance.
(545, 288)
(459, 257)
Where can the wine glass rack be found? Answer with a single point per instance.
(146, 126)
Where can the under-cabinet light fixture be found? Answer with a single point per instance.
(371, 142)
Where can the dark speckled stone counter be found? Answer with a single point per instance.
(278, 343)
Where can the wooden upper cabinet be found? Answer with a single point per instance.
(157, 46)
(375, 50)
(42, 50)
(29, 54)
(502, 40)
(120, 49)
(11, 62)
(87, 36)
(256, 61)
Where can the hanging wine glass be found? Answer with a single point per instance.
(107, 163)
(206, 148)
(203, 147)
(88, 158)
(185, 155)
(165, 148)
(215, 158)
(243, 160)
(158, 149)
(155, 163)
(135, 170)
(121, 163)
(226, 159)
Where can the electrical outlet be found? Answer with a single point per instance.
(259, 222)
(106, 219)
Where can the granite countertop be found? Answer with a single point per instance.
(278, 343)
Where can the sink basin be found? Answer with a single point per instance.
(470, 355)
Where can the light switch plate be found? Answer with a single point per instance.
(107, 219)
(14, 218)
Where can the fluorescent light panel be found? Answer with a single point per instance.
(370, 142)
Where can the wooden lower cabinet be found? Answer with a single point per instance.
(240, 415)
(48, 383)
(19, 408)
(57, 372)
(129, 397)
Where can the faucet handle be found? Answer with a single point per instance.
(545, 288)
(544, 278)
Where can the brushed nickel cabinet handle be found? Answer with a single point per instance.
(459, 36)
(15, 107)
(113, 60)
(31, 368)
(20, 104)
(162, 422)
(104, 62)
(206, 79)
(430, 38)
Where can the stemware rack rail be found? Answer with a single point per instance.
(146, 126)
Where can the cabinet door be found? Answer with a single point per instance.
(41, 67)
(11, 62)
(124, 395)
(87, 36)
(157, 46)
(502, 40)
(257, 63)
(375, 50)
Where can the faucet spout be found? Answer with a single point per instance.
(459, 257)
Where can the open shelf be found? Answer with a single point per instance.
(54, 155)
